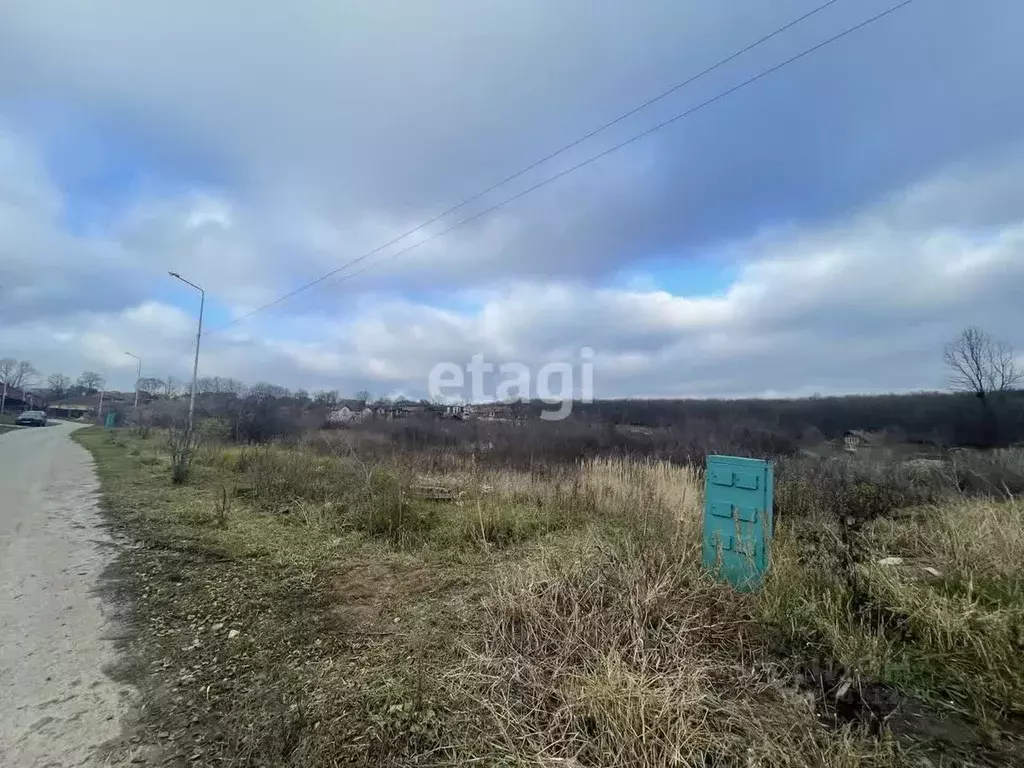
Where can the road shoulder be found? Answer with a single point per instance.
(58, 630)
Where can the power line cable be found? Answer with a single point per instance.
(600, 129)
(550, 156)
(572, 169)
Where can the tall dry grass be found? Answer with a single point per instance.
(930, 601)
(627, 488)
(979, 541)
(603, 642)
(623, 652)
(960, 595)
(618, 649)
(501, 506)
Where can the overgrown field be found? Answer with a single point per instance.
(304, 606)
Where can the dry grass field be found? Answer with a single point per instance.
(304, 606)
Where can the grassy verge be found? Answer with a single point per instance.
(300, 607)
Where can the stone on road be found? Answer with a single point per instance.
(57, 705)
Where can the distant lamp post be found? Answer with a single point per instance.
(138, 378)
(199, 336)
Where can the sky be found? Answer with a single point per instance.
(823, 230)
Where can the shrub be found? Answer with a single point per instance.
(182, 443)
(214, 430)
(992, 473)
(281, 476)
(847, 491)
(142, 427)
(499, 525)
(334, 491)
(384, 507)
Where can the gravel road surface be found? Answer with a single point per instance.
(57, 706)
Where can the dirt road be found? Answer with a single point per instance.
(57, 706)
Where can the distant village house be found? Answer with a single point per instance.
(855, 439)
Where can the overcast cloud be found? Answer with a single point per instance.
(826, 229)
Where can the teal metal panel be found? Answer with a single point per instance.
(738, 519)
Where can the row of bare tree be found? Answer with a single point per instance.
(21, 374)
(979, 364)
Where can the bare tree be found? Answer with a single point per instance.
(232, 387)
(6, 368)
(980, 365)
(18, 373)
(58, 384)
(217, 385)
(25, 375)
(15, 374)
(263, 390)
(170, 387)
(985, 368)
(150, 385)
(327, 397)
(90, 381)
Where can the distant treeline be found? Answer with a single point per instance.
(931, 417)
(674, 430)
(687, 430)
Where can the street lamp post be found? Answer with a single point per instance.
(195, 364)
(138, 377)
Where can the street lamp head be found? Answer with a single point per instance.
(177, 276)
